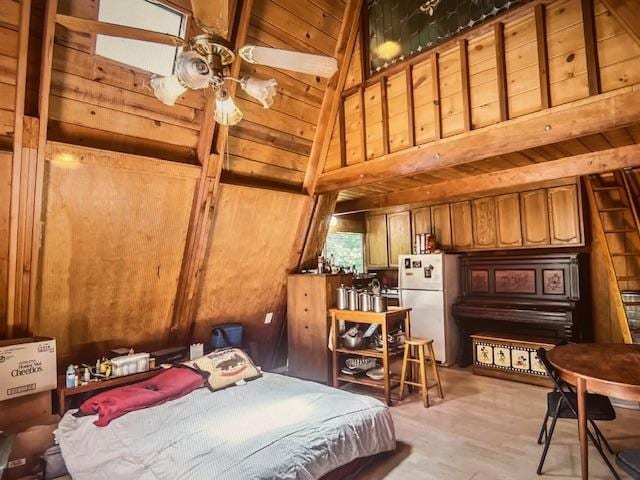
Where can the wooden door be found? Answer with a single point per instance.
(399, 234)
(535, 218)
(508, 226)
(564, 215)
(441, 225)
(461, 226)
(421, 220)
(377, 241)
(484, 223)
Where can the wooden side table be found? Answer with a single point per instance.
(386, 320)
(65, 393)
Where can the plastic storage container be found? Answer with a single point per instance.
(128, 364)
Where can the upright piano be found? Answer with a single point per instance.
(541, 295)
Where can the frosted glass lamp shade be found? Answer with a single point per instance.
(261, 90)
(167, 89)
(227, 113)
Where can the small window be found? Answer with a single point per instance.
(347, 249)
(146, 14)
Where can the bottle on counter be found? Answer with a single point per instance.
(320, 264)
(70, 377)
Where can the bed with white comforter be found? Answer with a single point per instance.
(275, 427)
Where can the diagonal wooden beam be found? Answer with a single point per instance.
(587, 116)
(585, 164)
(206, 196)
(331, 101)
(627, 12)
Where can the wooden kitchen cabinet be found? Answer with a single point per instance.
(399, 236)
(508, 224)
(441, 225)
(377, 244)
(421, 220)
(309, 298)
(535, 218)
(483, 212)
(564, 217)
(461, 225)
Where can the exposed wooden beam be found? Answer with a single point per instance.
(627, 12)
(591, 46)
(587, 116)
(411, 114)
(435, 85)
(343, 134)
(17, 162)
(585, 164)
(363, 124)
(543, 56)
(501, 67)
(330, 102)
(384, 102)
(463, 45)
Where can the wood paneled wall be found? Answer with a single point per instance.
(5, 203)
(534, 59)
(114, 232)
(9, 36)
(246, 267)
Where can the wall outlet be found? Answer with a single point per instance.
(268, 318)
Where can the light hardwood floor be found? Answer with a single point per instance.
(486, 429)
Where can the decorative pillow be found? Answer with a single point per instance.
(173, 383)
(227, 367)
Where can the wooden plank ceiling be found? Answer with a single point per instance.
(591, 143)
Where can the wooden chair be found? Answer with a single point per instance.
(421, 344)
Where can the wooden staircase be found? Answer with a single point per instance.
(613, 195)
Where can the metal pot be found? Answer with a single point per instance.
(353, 299)
(353, 341)
(342, 299)
(366, 301)
(379, 304)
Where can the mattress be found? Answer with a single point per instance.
(272, 427)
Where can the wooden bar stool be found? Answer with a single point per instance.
(420, 344)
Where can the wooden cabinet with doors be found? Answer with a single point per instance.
(398, 236)
(377, 244)
(564, 216)
(535, 218)
(483, 212)
(441, 225)
(309, 298)
(461, 226)
(421, 220)
(508, 223)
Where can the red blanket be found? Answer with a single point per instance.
(168, 385)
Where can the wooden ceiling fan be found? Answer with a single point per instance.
(202, 62)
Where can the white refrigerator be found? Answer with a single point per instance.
(429, 285)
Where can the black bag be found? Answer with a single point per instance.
(226, 335)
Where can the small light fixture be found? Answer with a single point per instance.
(167, 89)
(334, 221)
(388, 50)
(261, 90)
(227, 113)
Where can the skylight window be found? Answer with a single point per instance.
(146, 14)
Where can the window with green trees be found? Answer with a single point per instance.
(347, 249)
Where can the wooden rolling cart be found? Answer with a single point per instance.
(386, 320)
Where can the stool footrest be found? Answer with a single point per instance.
(415, 360)
(416, 384)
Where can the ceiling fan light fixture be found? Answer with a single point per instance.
(262, 90)
(167, 89)
(227, 112)
(193, 70)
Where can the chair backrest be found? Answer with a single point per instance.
(559, 384)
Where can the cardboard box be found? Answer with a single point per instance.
(22, 409)
(27, 366)
(30, 441)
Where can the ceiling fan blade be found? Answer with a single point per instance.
(111, 29)
(298, 62)
(212, 16)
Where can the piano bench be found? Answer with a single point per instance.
(511, 357)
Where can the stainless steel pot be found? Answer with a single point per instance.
(380, 304)
(342, 299)
(353, 300)
(353, 341)
(366, 301)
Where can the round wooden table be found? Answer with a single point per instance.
(608, 369)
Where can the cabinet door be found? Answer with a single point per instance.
(377, 241)
(509, 228)
(462, 232)
(441, 225)
(484, 222)
(399, 231)
(564, 215)
(421, 220)
(535, 218)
